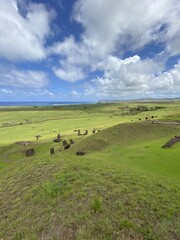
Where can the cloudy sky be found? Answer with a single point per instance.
(89, 50)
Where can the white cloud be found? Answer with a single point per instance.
(72, 52)
(74, 93)
(23, 37)
(69, 73)
(134, 78)
(5, 91)
(12, 77)
(108, 25)
(112, 28)
(75, 59)
(46, 93)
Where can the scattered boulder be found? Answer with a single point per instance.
(139, 119)
(171, 142)
(52, 151)
(71, 141)
(155, 122)
(80, 153)
(67, 146)
(25, 143)
(94, 130)
(30, 152)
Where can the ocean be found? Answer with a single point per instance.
(22, 104)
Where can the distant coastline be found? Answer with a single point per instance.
(26, 104)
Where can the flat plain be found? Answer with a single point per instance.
(125, 186)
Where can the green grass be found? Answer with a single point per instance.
(125, 186)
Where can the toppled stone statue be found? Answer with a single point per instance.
(171, 142)
(30, 152)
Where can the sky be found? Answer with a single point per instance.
(89, 50)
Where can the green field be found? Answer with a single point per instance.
(125, 187)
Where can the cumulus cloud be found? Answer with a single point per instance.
(75, 93)
(134, 78)
(23, 31)
(14, 77)
(108, 25)
(112, 28)
(70, 50)
(69, 73)
(75, 59)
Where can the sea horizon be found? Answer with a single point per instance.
(39, 103)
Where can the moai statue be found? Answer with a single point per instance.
(71, 141)
(67, 146)
(37, 137)
(86, 132)
(30, 152)
(58, 136)
(64, 142)
(94, 130)
(52, 151)
(78, 132)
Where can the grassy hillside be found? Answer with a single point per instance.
(127, 134)
(125, 186)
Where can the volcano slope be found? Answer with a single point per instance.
(125, 187)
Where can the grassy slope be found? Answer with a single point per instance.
(126, 187)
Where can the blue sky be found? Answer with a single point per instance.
(89, 50)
